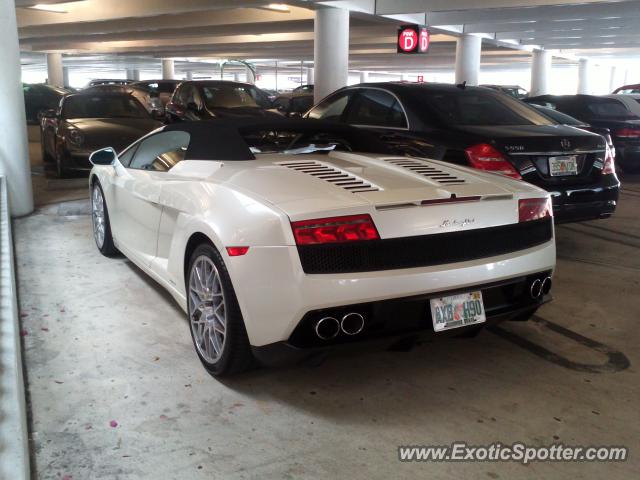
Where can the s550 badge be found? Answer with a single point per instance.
(514, 148)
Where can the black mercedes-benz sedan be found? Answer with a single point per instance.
(604, 112)
(488, 130)
(86, 122)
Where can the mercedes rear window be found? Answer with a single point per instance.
(469, 107)
(608, 108)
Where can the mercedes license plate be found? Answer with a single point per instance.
(563, 165)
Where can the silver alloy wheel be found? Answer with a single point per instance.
(207, 309)
(97, 214)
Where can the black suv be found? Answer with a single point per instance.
(488, 130)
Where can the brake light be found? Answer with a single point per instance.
(351, 228)
(237, 251)
(627, 133)
(609, 162)
(484, 157)
(534, 209)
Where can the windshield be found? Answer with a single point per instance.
(158, 87)
(103, 106)
(234, 96)
(473, 107)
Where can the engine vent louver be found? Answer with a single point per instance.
(339, 178)
(422, 168)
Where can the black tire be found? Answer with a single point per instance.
(236, 354)
(108, 249)
(61, 171)
(46, 156)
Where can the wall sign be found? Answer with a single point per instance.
(413, 39)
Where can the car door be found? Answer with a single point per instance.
(382, 111)
(136, 194)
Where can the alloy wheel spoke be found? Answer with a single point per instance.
(207, 309)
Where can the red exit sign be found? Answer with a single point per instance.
(413, 39)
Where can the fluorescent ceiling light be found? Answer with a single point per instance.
(48, 8)
(279, 7)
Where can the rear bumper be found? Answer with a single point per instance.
(275, 294)
(388, 321)
(572, 204)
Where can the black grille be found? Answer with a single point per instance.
(424, 250)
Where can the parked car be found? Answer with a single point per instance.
(303, 89)
(487, 130)
(363, 244)
(161, 89)
(109, 81)
(39, 97)
(206, 99)
(86, 122)
(605, 112)
(516, 91)
(628, 89)
(293, 104)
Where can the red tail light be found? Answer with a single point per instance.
(237, 251)
(627, 133)
(484, 157)
(534, 209)
(350, 228)
(609, 163)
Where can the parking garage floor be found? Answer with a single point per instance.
(117, 392)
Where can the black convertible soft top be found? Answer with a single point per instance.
(226, 139)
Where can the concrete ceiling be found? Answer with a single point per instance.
(140, 31)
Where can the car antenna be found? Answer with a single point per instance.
(462, 85)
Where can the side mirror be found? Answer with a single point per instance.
(105, 156)
(49, 113)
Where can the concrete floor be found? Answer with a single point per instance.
(105, 346)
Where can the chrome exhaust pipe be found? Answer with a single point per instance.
(546, 285)
(327, 328)
(352, 323)
(536, 289)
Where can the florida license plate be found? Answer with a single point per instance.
(563, 165)
(457, 311)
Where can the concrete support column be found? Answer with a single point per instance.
(65, 76)
(583, 76)
(189, 75)
(251, 76)
(540, 71)
(55, 74)
(310, 76)
(612, 79)
(14, 150)
(330, 50)
(133, 74)
(364, 77)
(168, 72)
(468, 52)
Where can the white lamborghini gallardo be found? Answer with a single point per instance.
(283, 238)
